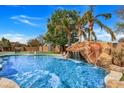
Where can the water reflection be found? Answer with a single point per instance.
(7, 67)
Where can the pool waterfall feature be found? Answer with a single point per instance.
(79, 55)
(93, 52)
(31, 71)
(75, 55)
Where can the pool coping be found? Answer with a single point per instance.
(25, 53)
(112, 80)
(8, 83)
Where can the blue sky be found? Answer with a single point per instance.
(21, 23)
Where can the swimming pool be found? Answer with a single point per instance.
(51, 72)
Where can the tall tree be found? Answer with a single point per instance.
(62, 27)
(91, 19)
(41, 40)
(34, 43)
(5, 44)
(120, 24)
(54, 38)
(65, 20)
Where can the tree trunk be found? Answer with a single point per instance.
(54, 48)
(69, 39)
(91, 29)
(79, 35)
(62, 48)
(42, 48)
(89, 36)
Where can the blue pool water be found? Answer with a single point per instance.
(51, 72)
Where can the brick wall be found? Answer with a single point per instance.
(31, 48)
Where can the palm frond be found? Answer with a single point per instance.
(106, 16)
(119, 28)
(107, 29)
(85, 18)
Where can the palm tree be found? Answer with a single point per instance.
(92, 19)
(120, 23)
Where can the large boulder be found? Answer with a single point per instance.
(7, 83)
(117, 61)
(91, 51)
(115, 84)
(112, 80)
(116, 68)
(118, 54)
(104, 60)
(106, 47)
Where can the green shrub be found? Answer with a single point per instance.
(122, 78)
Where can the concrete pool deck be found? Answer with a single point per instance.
(112, 80)
(7, 83)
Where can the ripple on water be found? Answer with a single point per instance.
(50, 72)
(37, 79)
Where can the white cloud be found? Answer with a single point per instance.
(32, 18)
(120, 36)
(26, 19)
(16, 37)
(103, 35)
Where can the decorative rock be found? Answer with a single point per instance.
(112, 80)
(116, 61)
(116, 68)
(106, 48)
(7, 83)
(115, 84)
(118, 54)
(114, 75)
(104, 60)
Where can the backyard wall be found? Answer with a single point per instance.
(31, 48)
(45, 49)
